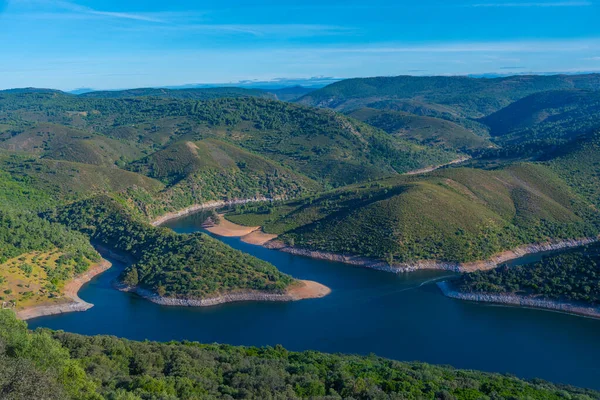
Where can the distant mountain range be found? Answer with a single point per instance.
(275, 84)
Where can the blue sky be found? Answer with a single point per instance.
(107, 44)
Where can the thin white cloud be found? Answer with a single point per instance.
(287, 30)
(64, 8)
(538, 4)
(136, 17)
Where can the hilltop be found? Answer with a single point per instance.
(451, 215)
(194, 94)
(553, 117)
(455, 96)
(320, 144)
(429, 131)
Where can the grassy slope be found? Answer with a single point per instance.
(462, 96)
(61, 181)
(424, 130)
(210, 169)
(60, 142)
(457, 214)
(38, 278)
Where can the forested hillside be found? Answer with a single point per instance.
(455, 95)
(191, 266)
(549, 117)
(578, 163)
(320, 144)
(427, 131)
(194, 94)
(571, 276)
(459, 215)
(37, 257)
(68, 366)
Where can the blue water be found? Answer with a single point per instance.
(403, 317)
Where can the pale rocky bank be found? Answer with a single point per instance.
(522, 301)
(490, 263)
(304, 290)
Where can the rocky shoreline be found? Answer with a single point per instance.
(71, 289)
(397, 268)
(315, 290)
(206, 206)
(522, 301)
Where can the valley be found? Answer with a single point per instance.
(231, 216)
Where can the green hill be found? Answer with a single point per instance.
(191, 266)
(458, 214)
(290, 93)
(460, 96)
(578, 163)
(552, 116)
(68, 366)
(60, 142)
(210, 169)
(194, 94)
(325, 146)
(428, 131)
(67, 181)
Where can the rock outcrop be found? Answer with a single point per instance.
(225, 298)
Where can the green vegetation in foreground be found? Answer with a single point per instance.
(69, 366)
(455, 214)
(571, 276)
(172, 265)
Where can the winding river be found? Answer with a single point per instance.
(403, 317)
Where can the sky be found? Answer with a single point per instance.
(111, 44)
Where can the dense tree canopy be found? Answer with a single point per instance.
(172, 265)
(68, 366)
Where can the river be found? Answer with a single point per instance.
(404, 317)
